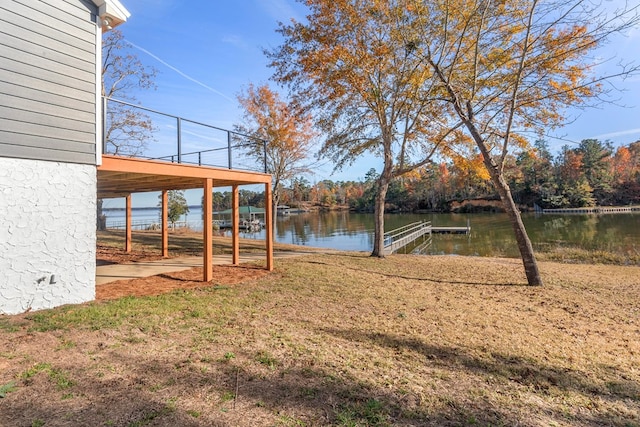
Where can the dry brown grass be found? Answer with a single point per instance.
(340, 340)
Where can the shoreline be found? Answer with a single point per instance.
(190, 242)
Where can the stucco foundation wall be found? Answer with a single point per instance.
(47, 234)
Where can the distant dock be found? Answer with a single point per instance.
(594, 210)
(254, 225)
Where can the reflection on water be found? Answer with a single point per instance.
(491, 234)
(337, 230)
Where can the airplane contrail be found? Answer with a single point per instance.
(217, 92)
(618, 133)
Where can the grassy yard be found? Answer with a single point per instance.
(342, 340)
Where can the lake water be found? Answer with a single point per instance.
(491, 234)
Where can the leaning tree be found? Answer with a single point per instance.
(506, 68)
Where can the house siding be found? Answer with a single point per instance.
(47, 236)
(48, 80)
(48, 128)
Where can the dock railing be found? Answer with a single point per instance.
(401, 237)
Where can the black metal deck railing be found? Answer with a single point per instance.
(179, 140)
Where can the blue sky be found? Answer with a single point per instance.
(206, 52)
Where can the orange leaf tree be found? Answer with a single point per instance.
(368, 92)
(508, 67)
(286, 130)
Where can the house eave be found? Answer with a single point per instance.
(111, 13)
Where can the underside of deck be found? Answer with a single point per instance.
(123, 176)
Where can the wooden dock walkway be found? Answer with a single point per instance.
(451, 230)
(403, 236)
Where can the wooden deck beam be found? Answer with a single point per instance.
(235, 225)
(119, 176)
(268, 224)
(128, 225)
(207, 230)
(165, 223)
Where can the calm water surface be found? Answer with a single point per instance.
(491, 234)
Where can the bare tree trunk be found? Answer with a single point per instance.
(101, 218)
(522, 238)
(378, 214)
(275, 200)
(381, 194)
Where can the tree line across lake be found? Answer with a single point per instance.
(591, 174)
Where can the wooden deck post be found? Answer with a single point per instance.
(268, 224)
(207, 230)
(127, 239)
(235, 225)
(165, 225)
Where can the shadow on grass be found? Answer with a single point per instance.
(420, 279)
(178, 276)
(175, 386)
(277, 396)
(528, 372)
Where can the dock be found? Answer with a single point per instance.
(245, 225)
(403, 236)
(451, 230)
(594, 210)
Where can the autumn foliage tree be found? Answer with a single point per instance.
(368, 92)
(623, 165)
(509, 67)
(281, 132)
(626, 173)
(626, 163)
